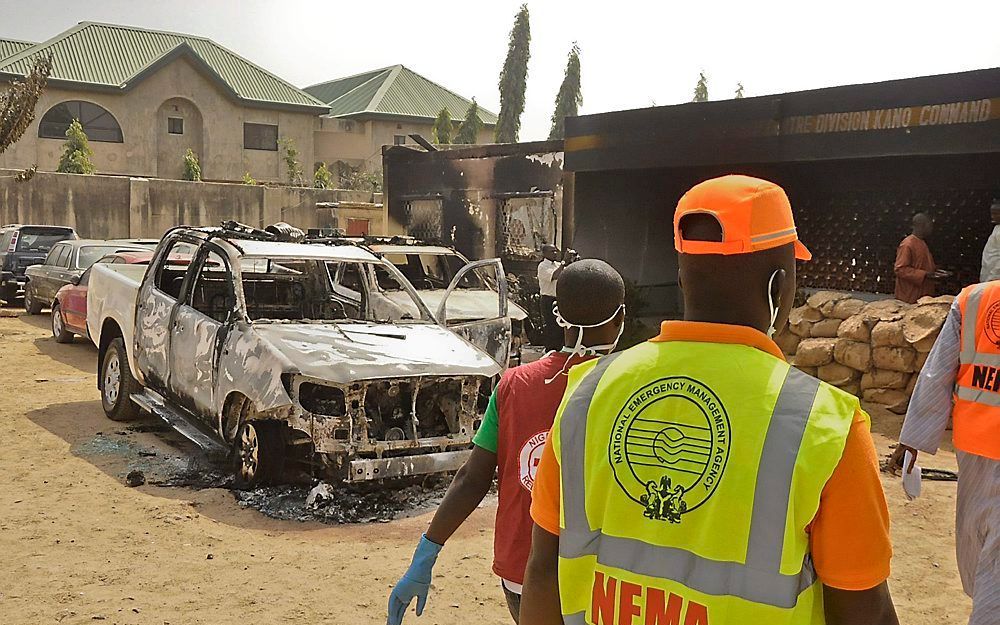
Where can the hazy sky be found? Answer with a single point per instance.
(634, 54)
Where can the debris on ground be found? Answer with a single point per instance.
(321, 494)
(135, 478)
(347, 503)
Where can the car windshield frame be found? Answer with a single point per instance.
(486, 283)
(108, 250)
(24, 234)
(245, 262)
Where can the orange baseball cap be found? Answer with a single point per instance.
(755, 215)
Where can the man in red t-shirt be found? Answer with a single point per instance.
(590, 307)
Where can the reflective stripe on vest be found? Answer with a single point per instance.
(758, 580)
(970, 319)
(976, 411)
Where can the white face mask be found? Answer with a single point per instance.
(585, 350)
(771, 305)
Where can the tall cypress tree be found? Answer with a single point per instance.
(701, 89)
(514, 79)
(441, 133)
(468, 132)
(569, 98)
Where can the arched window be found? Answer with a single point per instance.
(97, 122)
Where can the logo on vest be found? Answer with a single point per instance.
(669, 447)
(992, 324)
(530, 456)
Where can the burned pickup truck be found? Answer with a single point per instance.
(289, 354)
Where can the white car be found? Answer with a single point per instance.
(431, 269)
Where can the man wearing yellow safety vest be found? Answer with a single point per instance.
(698, 479)
(961, 379)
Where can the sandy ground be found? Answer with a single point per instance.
(80, 547)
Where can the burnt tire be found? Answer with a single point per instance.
(259, 454)
(59, 331)
(31, 305)
(117, 383)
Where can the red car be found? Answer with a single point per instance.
(69, 310)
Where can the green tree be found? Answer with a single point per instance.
(76, 152)
(323, 178)
(360, 180)
(569, 98)
(739, 90)
(17, 103)
(514, 79)
(701, 89)
(248, 179)
(192, 168)
(441, 133)
(292, 166)
(468, 132)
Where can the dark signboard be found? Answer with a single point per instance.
(948, 114)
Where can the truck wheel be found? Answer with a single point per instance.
(259, 454)
(31, 306)
(59, 331)
(117, 384)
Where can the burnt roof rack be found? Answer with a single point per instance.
(280, 231)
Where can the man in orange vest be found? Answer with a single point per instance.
(961, 379)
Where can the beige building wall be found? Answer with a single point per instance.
(359, 143)
(213, 128)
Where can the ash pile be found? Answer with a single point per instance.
(346, 503)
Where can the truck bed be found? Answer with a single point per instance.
(111, 295)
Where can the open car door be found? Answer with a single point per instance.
(492, 333)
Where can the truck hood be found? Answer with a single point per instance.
(463, 305)
(365, 351)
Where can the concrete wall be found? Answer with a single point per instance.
(104, 207)
(97, 206)
(213, 128)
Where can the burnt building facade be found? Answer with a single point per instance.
(857, 162)
(502, 201)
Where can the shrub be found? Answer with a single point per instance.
(76, 152)
(323, 179)
(192, 168)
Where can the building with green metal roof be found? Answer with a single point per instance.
(10, 47)
(144, 97)
(383, 107)
(396, 93)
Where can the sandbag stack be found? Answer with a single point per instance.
(869, 349)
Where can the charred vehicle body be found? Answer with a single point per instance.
(431, 269)
(290, 354)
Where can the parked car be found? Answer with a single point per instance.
(64, 264)
(146, 243)
(20, 248)
(290, 353)
(431, 269)
(69, 310)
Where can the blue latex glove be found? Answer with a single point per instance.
(416, 582)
